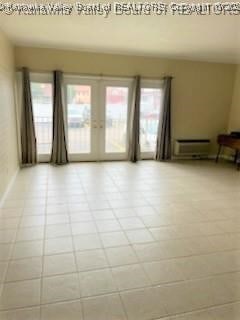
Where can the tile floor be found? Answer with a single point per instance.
(118, 241)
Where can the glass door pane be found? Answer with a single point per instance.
(149, 117)
(43, 113)
(116, 111)
(79, 118)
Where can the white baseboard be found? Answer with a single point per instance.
(193, 158)
(9, 186)
(227, 157)
(223, 156)
(209, 157)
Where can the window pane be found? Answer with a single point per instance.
(149, 118)
(79, 118)
(43, 111)
(116, 119)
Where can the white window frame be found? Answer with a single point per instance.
(42, 78)
(150, 84)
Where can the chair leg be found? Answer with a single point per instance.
(236, 157)
(218, 154)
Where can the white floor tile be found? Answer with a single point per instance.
(165, 271)
(21, 314)
(62, 311)
(130, 277)
(103, 308)
(121, 255)
(20, 294)
(91, 260)
(139, 236)
(114, 239)
(59, 264)
(27, 249)
(87, 242)
(97, 282)
(59, 230)
(24, 269)
(143, 304)
(60, 288)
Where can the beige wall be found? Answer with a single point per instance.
(8, 141)
(234, 117)
(202, 92)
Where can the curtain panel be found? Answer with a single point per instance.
(134, 124)
(59, 153)
(163, 149)
(28, 137)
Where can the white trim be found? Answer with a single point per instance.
(9, 186)
(151, 84)
(46, 77)
(197, 157)
(76, 77)
(221, 156)
(207, 157)
(226, 157)
(41, 77)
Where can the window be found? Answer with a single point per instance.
(43, 114)
(149, 118)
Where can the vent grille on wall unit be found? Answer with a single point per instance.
(192, 147)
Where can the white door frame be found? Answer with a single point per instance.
(98, 100)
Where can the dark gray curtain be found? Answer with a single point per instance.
(28, 137)
(163, 149)
(134, 124)
(59, 147)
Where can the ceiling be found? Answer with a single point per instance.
(207, 38)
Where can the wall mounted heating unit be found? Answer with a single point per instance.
(192, 147)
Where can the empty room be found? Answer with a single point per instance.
(119, 160)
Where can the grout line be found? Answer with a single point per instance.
(43, 259)
(77, 272)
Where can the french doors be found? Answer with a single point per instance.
(97, 118)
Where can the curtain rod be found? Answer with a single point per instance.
(99, 75)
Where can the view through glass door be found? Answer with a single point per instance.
(114, 113)
(97, 119)
(79, 117)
